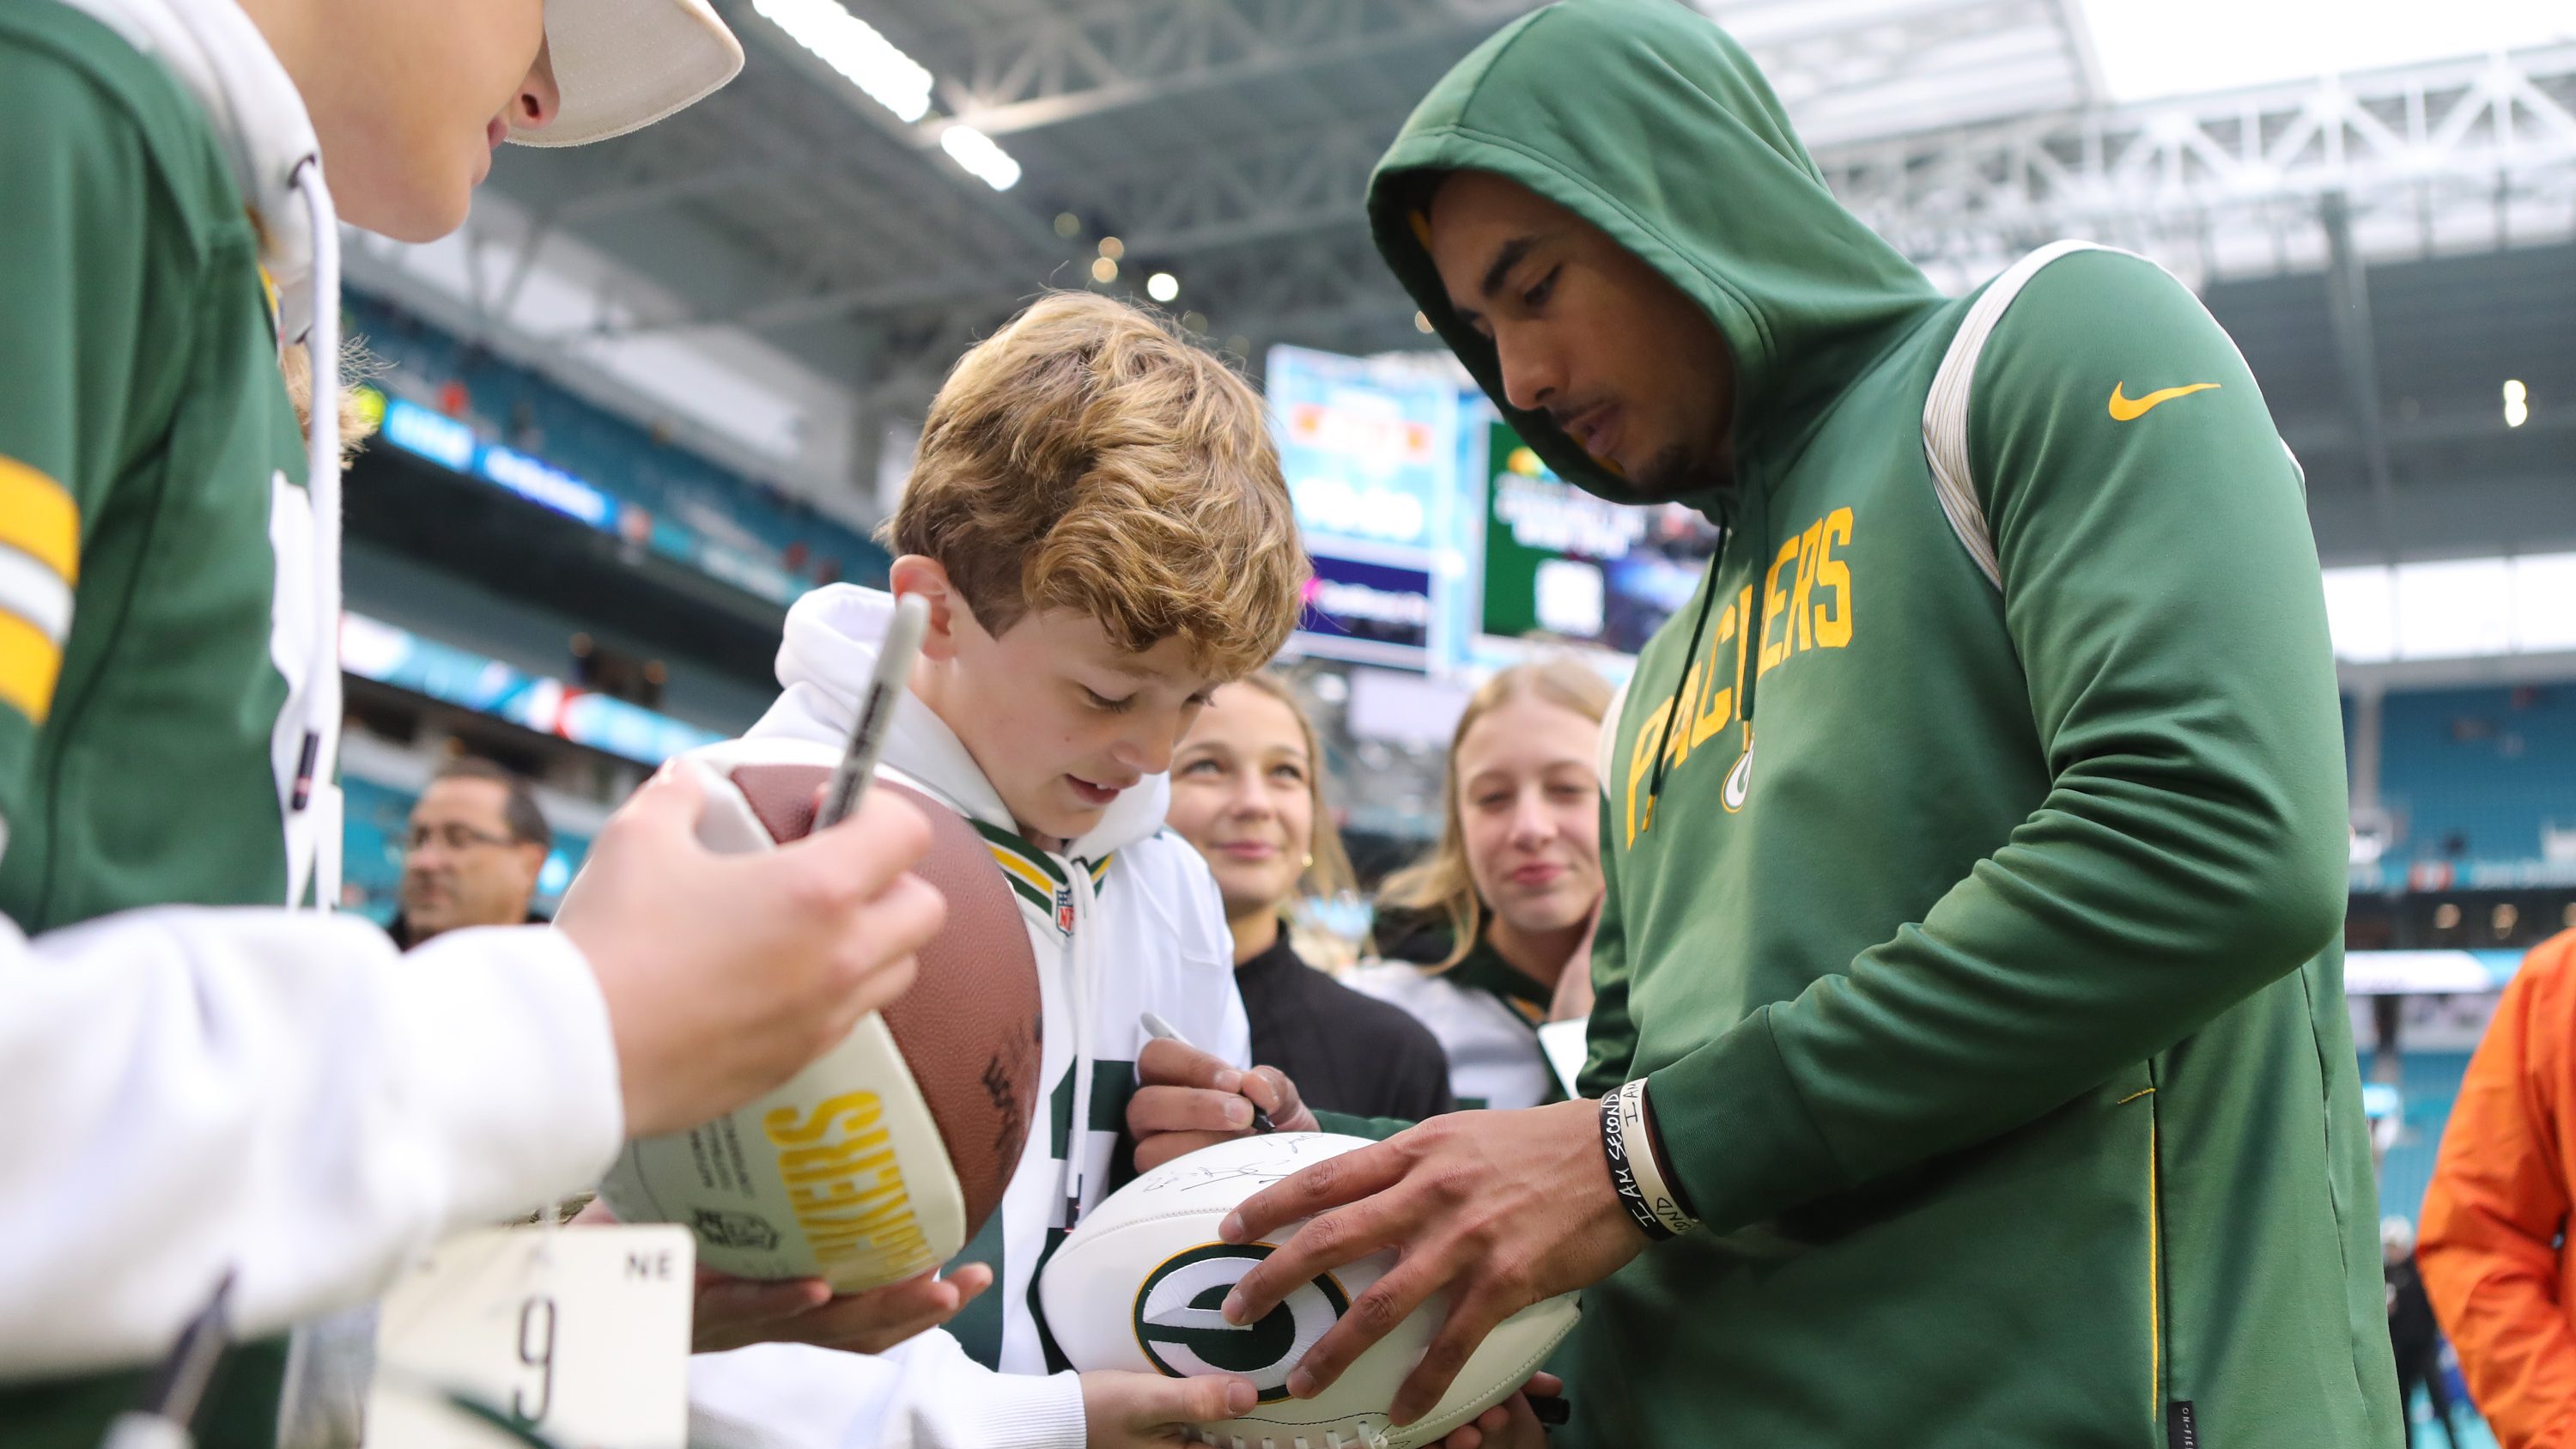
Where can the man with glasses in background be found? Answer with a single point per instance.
(472, 854)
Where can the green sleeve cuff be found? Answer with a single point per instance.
(1737, 1135)
(1375, 1129)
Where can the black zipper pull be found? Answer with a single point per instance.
(305, 760)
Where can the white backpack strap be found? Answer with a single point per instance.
(1606, 753)
(1945, 408)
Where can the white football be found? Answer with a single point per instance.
(1138, 1282)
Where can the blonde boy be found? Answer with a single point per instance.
(1098, 522)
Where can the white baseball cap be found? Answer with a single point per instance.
(624, 64)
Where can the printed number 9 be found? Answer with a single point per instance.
(537, 1351)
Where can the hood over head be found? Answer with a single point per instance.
(824, 663)
(1646, 120)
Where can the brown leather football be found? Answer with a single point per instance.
(969, 1028)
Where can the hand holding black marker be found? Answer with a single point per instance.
(876, 710)
(1161, 1030)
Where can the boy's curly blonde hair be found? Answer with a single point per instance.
(1089, 457)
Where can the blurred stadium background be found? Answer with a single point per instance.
(660, 387)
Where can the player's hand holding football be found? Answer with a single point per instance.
(1121, 1409)
(724, 974)
(1187, 1099)
(1497, 1209)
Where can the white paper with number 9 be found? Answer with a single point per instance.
(581, 1333)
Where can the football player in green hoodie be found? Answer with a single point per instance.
(1970, 1067)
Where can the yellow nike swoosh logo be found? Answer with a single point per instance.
(2123, 409)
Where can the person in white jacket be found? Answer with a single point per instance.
(208, 1074)
(1097, 520)
(1492, 928)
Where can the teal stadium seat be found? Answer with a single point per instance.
(2429, 1083)
(2485, 770)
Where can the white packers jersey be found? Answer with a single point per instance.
(1490, 1032)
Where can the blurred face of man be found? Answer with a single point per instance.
(1586, 332)
(463, 867)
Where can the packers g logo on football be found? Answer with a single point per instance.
(1180, 1327)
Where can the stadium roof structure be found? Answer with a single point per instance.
(788, 268)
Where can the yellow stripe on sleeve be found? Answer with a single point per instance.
(1036, 880)
(28, 664)
(38, 518)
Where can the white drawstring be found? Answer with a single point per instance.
(1078, 1135)
(317, 758)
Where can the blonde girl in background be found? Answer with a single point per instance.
(1248, 792)
(1483, 934)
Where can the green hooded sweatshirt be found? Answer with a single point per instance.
(1992, 1018)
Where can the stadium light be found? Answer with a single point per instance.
(977, 152)
(2517, 403)
(1162, 286)
(1104, 270)
(859, 52)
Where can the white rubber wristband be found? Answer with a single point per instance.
(1643, 1161)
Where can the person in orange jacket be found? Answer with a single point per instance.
(2491, 1249)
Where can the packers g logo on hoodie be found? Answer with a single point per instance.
(1182, 1331)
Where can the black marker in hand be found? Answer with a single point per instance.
(1161, 1030)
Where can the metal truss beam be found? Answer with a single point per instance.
(1331, 293)
(839, 232)
(2467, 155)
(908, 360)
(1818, 60)
(1302, 182)
(1833, 55)
(1763, 24)
(1321, 290)
(933, 179)
(646, 191)
(1061, 67)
